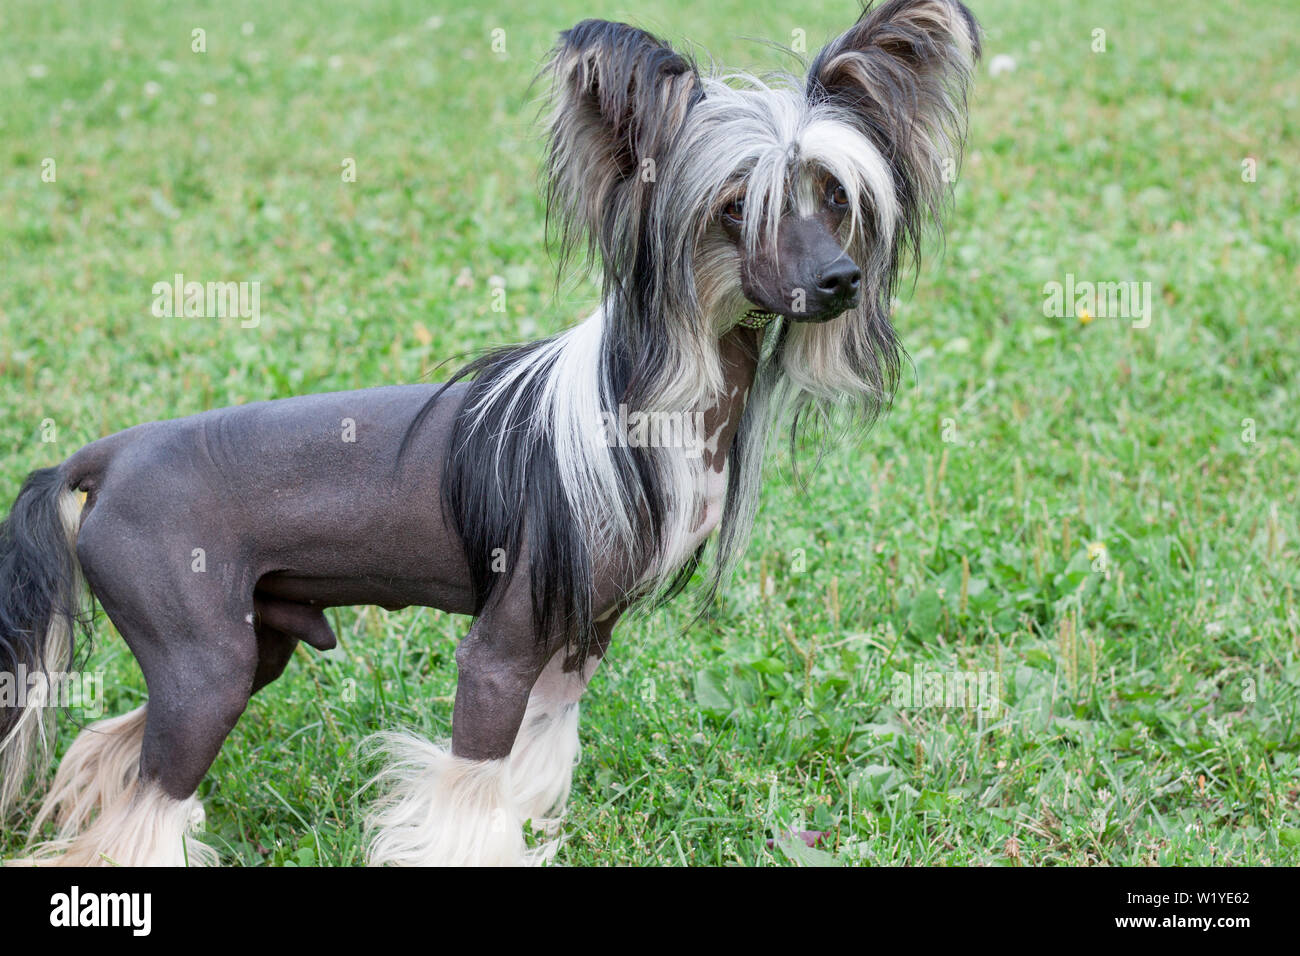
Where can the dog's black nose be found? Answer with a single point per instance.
(839, 280)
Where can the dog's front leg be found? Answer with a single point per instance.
(547, 746)
(458, 807)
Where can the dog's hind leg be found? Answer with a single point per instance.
(148, 815)
(104, 759)
(457, 806)
(193, 636)
(196, 694)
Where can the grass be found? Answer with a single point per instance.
(1104, 517)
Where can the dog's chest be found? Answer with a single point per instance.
(707, 477)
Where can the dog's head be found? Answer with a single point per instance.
(712, 200)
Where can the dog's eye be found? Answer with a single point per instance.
(837, 195)
(735, 210)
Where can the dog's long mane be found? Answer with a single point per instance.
(643, 153)
(528, 472)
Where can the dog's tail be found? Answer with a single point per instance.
(40, 609)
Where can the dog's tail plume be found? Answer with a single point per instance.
(40, 610)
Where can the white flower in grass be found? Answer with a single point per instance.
(152, 89)
(1002, 63)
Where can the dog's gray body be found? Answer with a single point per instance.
(291, 519)
(298, 505)
(214, 543)
(303, 496)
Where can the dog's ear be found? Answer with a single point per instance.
(619, 96)
(900, 74)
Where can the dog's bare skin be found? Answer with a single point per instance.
(289, 519)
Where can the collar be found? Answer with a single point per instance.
(757, 319)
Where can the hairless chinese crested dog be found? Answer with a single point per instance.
(750, 233)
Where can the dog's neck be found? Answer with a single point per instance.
(738, 350)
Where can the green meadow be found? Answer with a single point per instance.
(1088, 520)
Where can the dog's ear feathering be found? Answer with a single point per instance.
(618, 98)
(900, 74)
